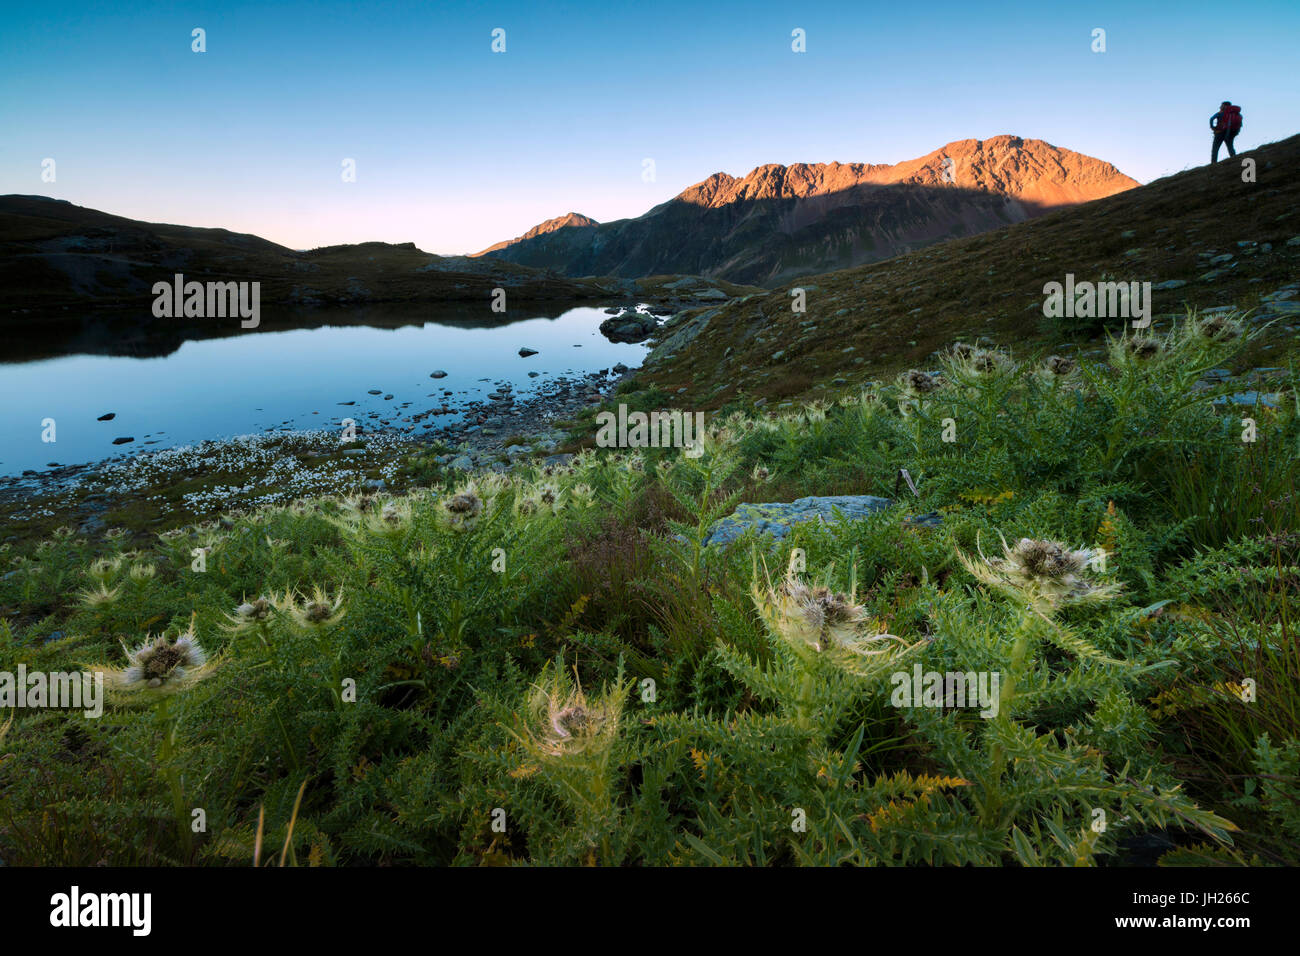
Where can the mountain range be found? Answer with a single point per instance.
(779, 222)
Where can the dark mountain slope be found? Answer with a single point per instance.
(1214, 239)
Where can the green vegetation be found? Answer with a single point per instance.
(553, 667)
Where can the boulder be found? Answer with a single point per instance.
(1250, 399)
(777, 518)
(629, 327)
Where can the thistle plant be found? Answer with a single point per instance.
(253, 616)
(1057, 370)
(915, 385)
(102, 570)
(98, 596)
(1045, 575)
(1153, 395)
(160, 667)
(158, 670)
(1137, 349)
(582, 495)
(814, 413)
(573, 739)
(915, 390)
(548, 498)
(526, 505)
(367, 515)
(315, 611)
(253, 612)
(1041, 576)
(1212, 328)
(825, 639)
(812, 616)
(967, 364)
(462, 510)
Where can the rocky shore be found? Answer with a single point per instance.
(507, 426)
(521, 425)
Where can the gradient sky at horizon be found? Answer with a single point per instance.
(458, 147)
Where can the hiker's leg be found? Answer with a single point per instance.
(1231, 150)
(1214, 153)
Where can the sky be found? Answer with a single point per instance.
(457, 146)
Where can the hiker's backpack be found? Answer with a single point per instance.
(1230, 119)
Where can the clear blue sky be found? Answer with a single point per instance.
(458, 147)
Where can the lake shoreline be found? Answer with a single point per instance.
(414, 370)
(496, 435)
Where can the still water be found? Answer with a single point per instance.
(276, 378)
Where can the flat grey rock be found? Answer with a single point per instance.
(777, 518)
(1250, 398)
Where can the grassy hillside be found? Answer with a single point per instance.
(874, 321)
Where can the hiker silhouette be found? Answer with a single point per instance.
(1225, 125)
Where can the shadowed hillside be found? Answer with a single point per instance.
(57, 256)
(1203, 238)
